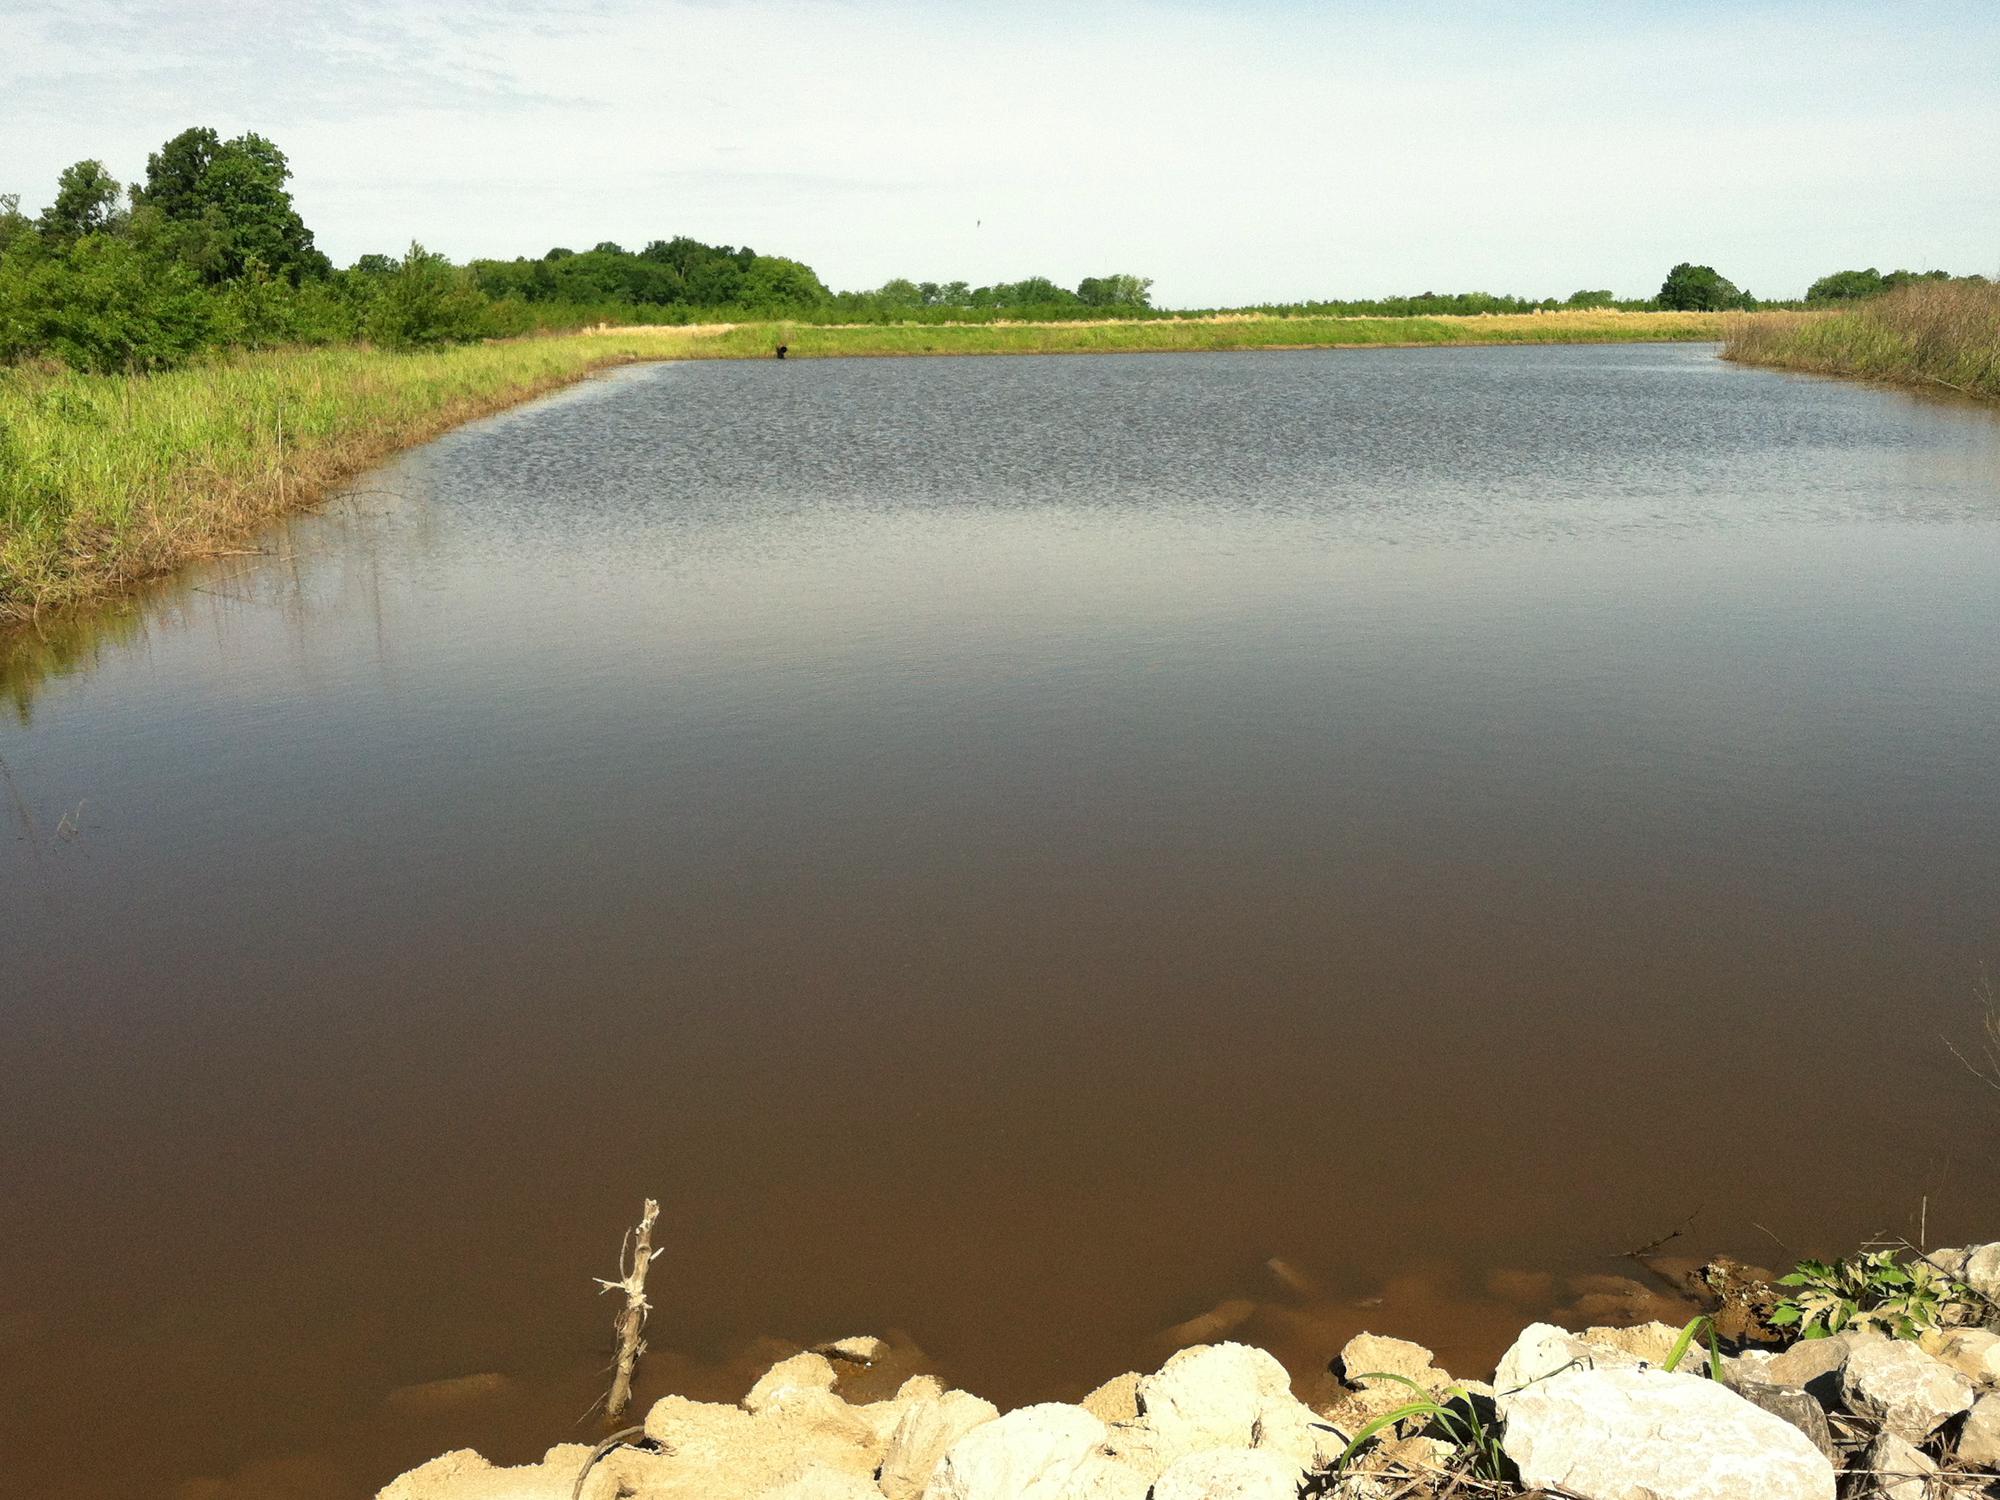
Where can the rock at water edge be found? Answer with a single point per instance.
(1642, 1434)
(1001, 1459)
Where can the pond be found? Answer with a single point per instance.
(1004, 849)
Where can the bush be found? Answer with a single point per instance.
(101, 304)
(424, 302)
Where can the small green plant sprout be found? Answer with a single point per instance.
(1452, 1415)
(1874, 1290)
(1703, 1328)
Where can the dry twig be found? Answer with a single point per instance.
(639, 1252)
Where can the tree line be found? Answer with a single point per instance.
(209, 252)
(1703, 288)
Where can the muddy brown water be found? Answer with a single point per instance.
(1002, 849)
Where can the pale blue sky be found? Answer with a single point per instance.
(1233, 152)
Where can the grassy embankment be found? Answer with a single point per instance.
(105, 480)
(1933, 334)
(1195, 335)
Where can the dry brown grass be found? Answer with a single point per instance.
(1940, 334)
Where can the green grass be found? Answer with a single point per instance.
(1942, 335)
(810, 340)
(109, 479)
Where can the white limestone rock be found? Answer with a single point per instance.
(1005, 1459)
(1973, 1352)
(1811, 1365)
(1979, 1439)
(1117, 1400)
(1092, 1477)
(1890, 1469)
(1543, 1350)
(1231, 1474)
(787, 1378)
(1295, 1431)
(820, 1483)
(1982, 1270)
(1644, 1434)
(465, 1475)
(1214, 1396)
(1650, 1343)
(711, 1451)
(1951, 1262)
(1895, 1384)
(1368, 1354)
(926, 1430)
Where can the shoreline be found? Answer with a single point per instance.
(112, 480)
(1925, 338)
(1607, 1412)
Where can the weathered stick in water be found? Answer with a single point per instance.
(632, 1316)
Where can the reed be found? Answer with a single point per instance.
(1936, 334)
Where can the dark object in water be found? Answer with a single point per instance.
(781, 350)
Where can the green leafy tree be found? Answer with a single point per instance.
(1846, 286)
(1599, 298)
(714, 281)
(230, 206)
(1115, 291)
(1691, 288)
(899, 291)
(13, 223)
(87, 200)
(426, 301)
(1034, 291)
(773, 282)
(175, 173)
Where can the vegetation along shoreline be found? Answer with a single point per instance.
(1927, 336)
(107, 480)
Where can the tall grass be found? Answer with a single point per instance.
(1934, 333)
(106, 479)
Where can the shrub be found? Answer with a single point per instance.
(426, 301)
(101, 304)
(1874, 1290)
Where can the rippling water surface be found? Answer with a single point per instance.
(1001, 848)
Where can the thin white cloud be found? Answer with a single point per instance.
(1234, 152)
